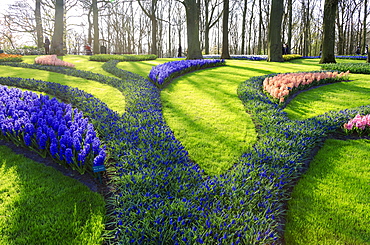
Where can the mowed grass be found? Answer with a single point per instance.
(330, 204)
(143, 67)
(39, 205)
(206, 115)
(332, 97)
(81, 62)
(109, 95)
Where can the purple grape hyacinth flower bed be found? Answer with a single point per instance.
(160, 75)
(49, 127)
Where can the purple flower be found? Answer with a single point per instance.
(69, 155)
(42, 141)
(27, 139)
(53, 148)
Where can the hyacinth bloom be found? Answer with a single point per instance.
(359, 124)
(49, 127)
(281, 85)
(52, 60)
(160, 74)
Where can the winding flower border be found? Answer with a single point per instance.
(162, 195)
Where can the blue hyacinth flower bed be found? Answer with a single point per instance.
(162, 196)
(50, 127)
(160, 75)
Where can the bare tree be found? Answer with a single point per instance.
(211, 17)
(151, 13)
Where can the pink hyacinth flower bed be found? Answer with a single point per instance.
(359, 124)
(52, 60)
(280, 86)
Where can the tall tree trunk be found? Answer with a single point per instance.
(192, 8)
(290, 25)
(250, 29)
(225, 32)
(57, 41)
(364, 33)
(206, 28)
(154, 49)
(274, 35)
(244, 20)
(89, 28)
(259, 47)
(340, 24)
(328, 42)
(96, 26)
(39, 29)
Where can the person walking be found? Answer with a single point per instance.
(47, 45)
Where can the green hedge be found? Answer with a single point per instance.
(363, 68)
(124, 57)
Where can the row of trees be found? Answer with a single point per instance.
(203, 26)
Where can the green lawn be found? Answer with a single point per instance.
(39, 205)
(203, 110)
(111, 96)
(333, 97)
(330, 204)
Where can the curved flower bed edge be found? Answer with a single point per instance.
(157, 184)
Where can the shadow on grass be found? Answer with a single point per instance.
(46, 207)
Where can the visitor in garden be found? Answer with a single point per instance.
(1, 51)
(88, 49)
(358, 52)
(179, 51)
(285, 49)
(47, 45)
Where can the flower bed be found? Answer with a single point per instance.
(363, 68)
(52, 60)
(287, 57)
(353, 57)
(10, 57)
(161, 195)
(123, 57)
(49, 127)
(359, 124)
(280, 86)
(160, 75)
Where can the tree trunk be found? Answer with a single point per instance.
(39, 29)
(365, 33)
(290, 25)
(259, 47)
(96, 26)
(225, 32)
(57, 41)
(244, 20)
(192, 8)
(250, 29)
(274, 35)
(154, 49)
(328, 42)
